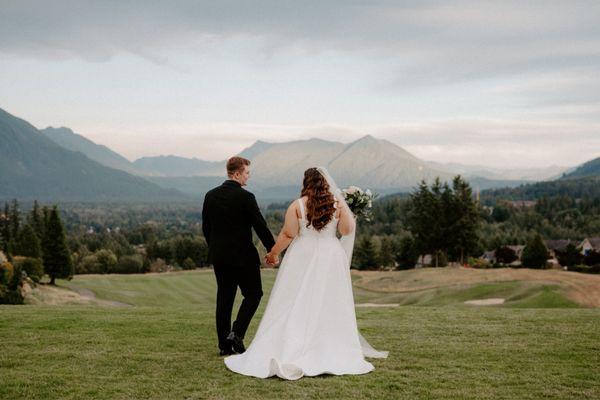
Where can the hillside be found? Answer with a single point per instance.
(34, 167)
(70, 140)
(576, 188)
(178, 166)
(588, 169)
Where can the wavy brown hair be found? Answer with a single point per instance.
(320, 204)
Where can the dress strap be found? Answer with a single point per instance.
(302, 213)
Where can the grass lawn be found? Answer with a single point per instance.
(163, 346)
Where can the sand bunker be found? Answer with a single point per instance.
(485, 302)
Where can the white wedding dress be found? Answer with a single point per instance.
(309, 326)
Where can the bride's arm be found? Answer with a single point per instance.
(346, 224)
(288, 232)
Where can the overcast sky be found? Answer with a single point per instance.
(476, 82)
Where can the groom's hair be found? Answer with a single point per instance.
(235, 164)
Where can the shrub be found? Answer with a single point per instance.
(406, 256)
(89, 265)
(587, 269)
(130, 264)
(478, 263)
(32, 266)
(6, 273)
(535, 253)
(158, 265)
(188, 263)
(505, 255)
(11, 279)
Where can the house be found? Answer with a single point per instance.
(556, 245)
(490, 255)
(590, 244)
(521, 203)
(424, 261)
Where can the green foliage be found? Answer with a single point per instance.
(27, 243)
(57, 257)
(535, 253)
(569, 256)
(11, 279)
(365, 255)
(31, 266)
(188, 263)
(445, 220)
(386, 252)
(406, 255)
(586, 269)
(505, 255)
(130, 264)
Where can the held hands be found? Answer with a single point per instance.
(272, 259)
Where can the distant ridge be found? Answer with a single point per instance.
(34, 167)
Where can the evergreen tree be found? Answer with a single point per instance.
(36, 220)
(505, 255)
(27, 243)
(407, 255)
(365, 256)
(535, 253)
(14, 219)
(465, 229)
(5, 231)
(386, 252)
(421, 218)
(569, 256)
(57, 258)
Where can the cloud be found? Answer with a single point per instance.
(428, 42)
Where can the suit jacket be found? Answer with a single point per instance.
(228, 215)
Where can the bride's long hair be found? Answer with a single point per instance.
(320, 204)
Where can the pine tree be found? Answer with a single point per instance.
(14, 219)
(406, 256)
(365, 256)
(465, 230)
(535, 253)
(56, 255)
(386, 252)
(27, 243)
(5, 232)
(36, 220)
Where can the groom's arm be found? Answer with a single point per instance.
(205, 222)
(259, 224)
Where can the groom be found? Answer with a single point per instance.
(228, 216)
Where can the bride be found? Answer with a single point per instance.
(309, 325)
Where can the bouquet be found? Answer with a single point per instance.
(359, 201)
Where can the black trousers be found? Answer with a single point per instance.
(228, 280)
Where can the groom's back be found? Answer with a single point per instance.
(227, 225)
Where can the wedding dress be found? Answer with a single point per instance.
(309, 325)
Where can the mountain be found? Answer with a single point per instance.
(33, 166)
(511, 174)
(588, 169)
(587, 187)
(70, 140)
(195, 186)
(178, 166)
(368, 162)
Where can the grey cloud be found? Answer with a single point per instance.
(430, 42)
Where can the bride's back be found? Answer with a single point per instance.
(306, 229)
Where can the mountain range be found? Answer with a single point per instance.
(60, 164)
(32, 166)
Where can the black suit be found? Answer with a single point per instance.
(228, 216)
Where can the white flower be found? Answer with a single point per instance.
(368, 192)
(370, 204)
(353, 189)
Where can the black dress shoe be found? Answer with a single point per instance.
(236, 342)
(226, 352)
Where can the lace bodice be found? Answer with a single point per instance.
(328, 230)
